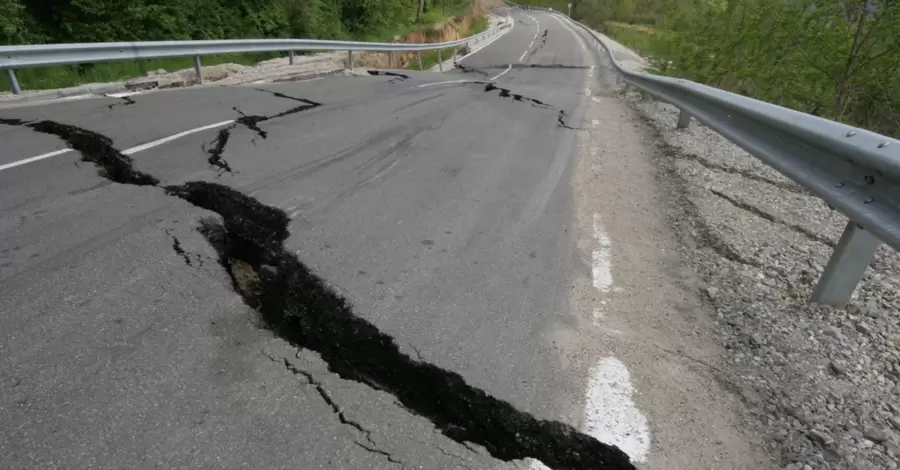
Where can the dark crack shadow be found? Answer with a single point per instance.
(302, 309)
(775, 220)
(125, 101)
(250, 121)
(398, 77)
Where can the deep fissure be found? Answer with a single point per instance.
(507, 93)
(250, 121)
(299, 307)
(179, 250)
(398, 77)
(125, 101)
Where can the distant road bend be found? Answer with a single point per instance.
(352, 272)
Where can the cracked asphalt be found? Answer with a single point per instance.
(352, 272)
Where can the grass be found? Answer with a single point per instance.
(430, 58)
(63, 76)
(659, 45)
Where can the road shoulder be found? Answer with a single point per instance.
(650, 316)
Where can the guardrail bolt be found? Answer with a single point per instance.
(850, 134)
(198, 69)
(883, 145)
(845, 269)
(684, 120)
(13, 83)
(291, 57)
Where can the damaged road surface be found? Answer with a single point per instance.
(354, 272)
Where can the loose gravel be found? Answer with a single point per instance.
(823, 383)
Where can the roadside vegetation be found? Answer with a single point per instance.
(838, 59)
(430, 58)
(65, 21)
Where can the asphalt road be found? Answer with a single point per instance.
(441, 211)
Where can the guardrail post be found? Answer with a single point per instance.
(684, 120)
(440, 61)
(198, 69)
(13, 83)
(845, 269)
(419, 53)
(350, 59)
(390, 59)
(291, 57)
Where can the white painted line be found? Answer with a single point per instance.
(537, 30)
(34, 159)
(611, 415)
(424, 85)
(587, 91)
(130, 151)
(501, 73)
(595, 122)
(596, 100)
(601, 258)
(142, 147)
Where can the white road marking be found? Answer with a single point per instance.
(148, 145)
(501, 73)
(601, 258)
(587, 91)
(611, 415)
(537, 30)
(595, 122)
(34, 159)
(132, 150)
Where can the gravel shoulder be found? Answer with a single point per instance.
(821, 382)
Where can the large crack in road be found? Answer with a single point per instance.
(250, 121)
(300, 308)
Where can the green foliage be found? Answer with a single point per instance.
(61, 21)
(838, 59)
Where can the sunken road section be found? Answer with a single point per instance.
(297, 305)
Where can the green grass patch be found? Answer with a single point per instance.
(42, 78)
(430, 58)
(659, 45)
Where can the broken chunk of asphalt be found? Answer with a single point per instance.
(125, 101)
(398, 77)
(298, 306)
(467, 69)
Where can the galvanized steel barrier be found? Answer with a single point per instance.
(854, 170)
(18, 57)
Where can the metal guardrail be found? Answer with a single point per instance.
(854, 170)
(18, 57)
